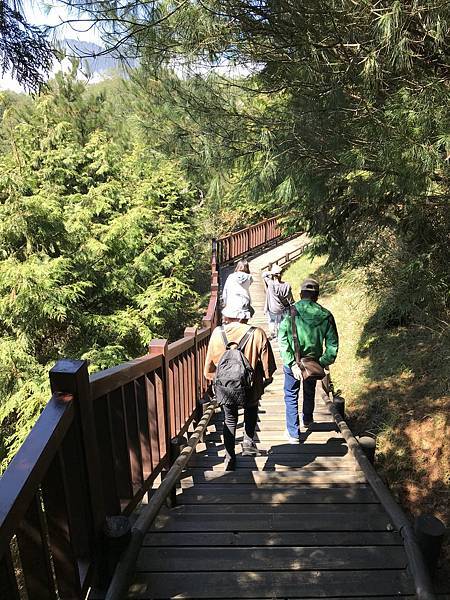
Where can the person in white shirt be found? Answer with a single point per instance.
(236, 300)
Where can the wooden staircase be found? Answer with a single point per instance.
(299, 522)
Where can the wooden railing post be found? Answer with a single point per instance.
(192, 333)
(215, 252)
(176, 445)
(159, 346)
(72, 376)
(72, 488)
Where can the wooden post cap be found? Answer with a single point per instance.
(117, 527)
(430, 524)
(116, 535)
(430, 533)
(368, 445)
(339, 403)
(179, 441)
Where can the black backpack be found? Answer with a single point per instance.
(234, 374)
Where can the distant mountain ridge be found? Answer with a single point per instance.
(95, 60)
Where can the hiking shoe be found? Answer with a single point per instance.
(230, 464)
(250, 450)
(290, 439)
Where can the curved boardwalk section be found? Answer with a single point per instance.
(299, 522)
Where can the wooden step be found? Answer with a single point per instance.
(295, 558)
(276, 495)
(319, 432)
(271, 522)
(331, 449)
(271, 477)
(277, 462)
(297, 510)
(270, 538)
(270, 584)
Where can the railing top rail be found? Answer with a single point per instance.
(203, 333)
(21, 480)
(179, 346)
(232, 233)
(108, 380)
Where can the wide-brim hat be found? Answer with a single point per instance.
(309, 285)
(276, 269)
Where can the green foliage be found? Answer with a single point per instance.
(98, 250)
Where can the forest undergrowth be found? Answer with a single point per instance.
(396, 385)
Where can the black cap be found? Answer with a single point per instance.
(310, 285)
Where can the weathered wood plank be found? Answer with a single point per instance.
(278, 408)
(276, 413)
(278, 429)
(295, 558)
(270, 477)
(280, 495)
(271, 522)
(297, 510)
(319, 432)
(222, 483)
(325, 449)
(270, 584)
(277, 462)
(275, 466)
(271, 538)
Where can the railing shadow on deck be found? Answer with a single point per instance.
(97, 448)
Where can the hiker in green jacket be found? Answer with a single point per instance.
(315, 328)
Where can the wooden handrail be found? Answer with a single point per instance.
(249, 227)
(239, 243)
(178, 347)
(103, 382)
(20, 481)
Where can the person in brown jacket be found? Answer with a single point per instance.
(258, 352)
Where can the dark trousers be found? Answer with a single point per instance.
(230, 414)
(291, 392)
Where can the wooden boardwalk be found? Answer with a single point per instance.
(299, 522)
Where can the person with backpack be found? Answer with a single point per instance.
(240, 362)
(278, 298)
(303, 335)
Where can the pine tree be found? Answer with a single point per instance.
(98, 245)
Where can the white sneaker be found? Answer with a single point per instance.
(290, 439)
